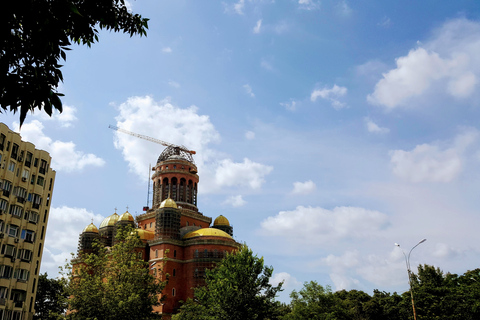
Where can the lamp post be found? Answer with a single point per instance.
(407, 262)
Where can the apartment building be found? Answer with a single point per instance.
(26, 186)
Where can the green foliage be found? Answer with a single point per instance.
(237, 288)
(312, 302)
(51, 299)
(437, 296)
(114, 284)
(34, 37)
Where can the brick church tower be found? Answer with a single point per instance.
(178, 238)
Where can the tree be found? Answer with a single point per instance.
(51, 300)
(312, 302)
(114, 283)
(237, 288)
(34, 38)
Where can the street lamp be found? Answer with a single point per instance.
(407, 262)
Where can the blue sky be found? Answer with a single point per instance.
(325, 131)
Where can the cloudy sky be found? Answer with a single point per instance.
(325, 131)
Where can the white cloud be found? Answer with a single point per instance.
(344, 9)
(374, 128)
(64, 155)
(248, 173)
(64, 223)
(65, 118)
(289, 281)
(385, 23)
(308, 4)
(162, 120)
(291, 106)
(330, 94)
(431, 162)
(235, 201)
(448, 64)
(303, 187)
(267, 65)
(173, 84)
(250, 135)
(248, 90)
(281, 27)
(258, 26)
(167, 50)
(315, 225)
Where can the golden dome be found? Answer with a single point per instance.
(126, 217)
(221, 221)
(168, 203)
(207, 232)
(145, 234)
(109, 221)
(90, 228)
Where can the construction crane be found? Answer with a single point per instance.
(141, 136)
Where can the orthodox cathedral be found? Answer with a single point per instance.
(178, 239)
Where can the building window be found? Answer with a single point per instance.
(28, 159)
(196, 253)
(43, 167)
(21, 274)
(11, 166)
(3, 206)
(9, 250)
(2, 141)
(3, 293)
(6, 272)
(12, 231)
(31, 216)
(195, 274)
(156, 253)
(28, 235)
(140, 255)
(20, 193)
(32, 181)
(25, 255)
(35, 162)
(14, 151)
(173, 272)
(40, 181)
(173, 292)
(174, 253)
(154, 271)
(16, 211)
(151, 223)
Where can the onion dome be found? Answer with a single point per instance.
(207, 232)
(221, 221)
(126, 217)
(145, 234)
(168, 203)
(109, 221)
(90, 228)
